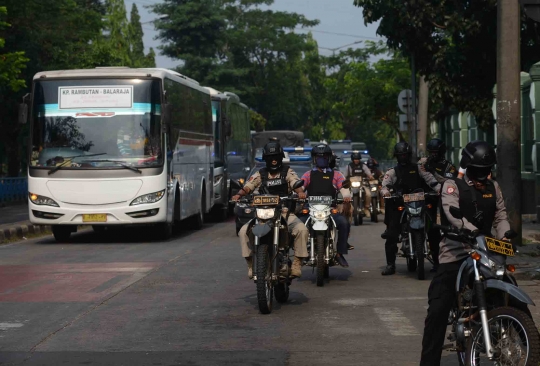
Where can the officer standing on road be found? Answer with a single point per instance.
(405, 177)
(442, 169)
(377, 173)
(473, 194)
(278, 180)
(357, 168)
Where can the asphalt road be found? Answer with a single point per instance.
(122, 299)
(13, 213)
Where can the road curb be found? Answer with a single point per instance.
(22, 230)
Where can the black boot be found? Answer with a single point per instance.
(389, 270)
(385, 235)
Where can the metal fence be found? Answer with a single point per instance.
(13, 189)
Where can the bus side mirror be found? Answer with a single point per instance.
(166, 114)
(23, 113)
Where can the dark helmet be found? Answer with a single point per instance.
(273, 151)
(356, 156)
(403, 152)
(478, 157)
(321, 155)
(436, 146)
(371, 163)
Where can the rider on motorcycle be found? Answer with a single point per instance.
(373, 165)
(442, 170)
(405, 177)
(357, 168)
(473, 194)
(324, 181)
(278, 179)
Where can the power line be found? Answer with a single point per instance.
(337, 34)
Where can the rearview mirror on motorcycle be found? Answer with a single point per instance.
(456, 212)
(298, 184)
(346, 184)
(510, 234)
(236, 184)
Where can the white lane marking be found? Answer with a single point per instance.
(359, 301)
(396, 323)
(6, 326)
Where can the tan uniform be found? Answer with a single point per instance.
(451, 250)
(390, 178)
(296, 226)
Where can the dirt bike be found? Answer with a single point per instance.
(413, 236)
(358, 200)
(491, 323)
(374, 208)
(271, 247)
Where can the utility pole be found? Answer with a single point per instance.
(414, 125)
(423, 100)
(509, 109)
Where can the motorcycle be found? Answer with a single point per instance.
(490, 320)
(271, 246)
(358, 200)
(374, 209)
(413, 238)
(323, 234)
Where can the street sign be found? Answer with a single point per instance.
(404, 101)
(532, 9)
(403, 122)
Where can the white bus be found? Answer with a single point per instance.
(119, 146)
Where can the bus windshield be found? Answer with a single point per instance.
(98, 123)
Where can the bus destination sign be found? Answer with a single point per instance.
(115, 96)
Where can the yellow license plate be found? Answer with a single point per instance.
(265, 200)
(94, 218)
(499, 246)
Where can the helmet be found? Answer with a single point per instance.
(371, 163)
(356, 156)
(273, 151)
(478, 157)
(436, 147)
(321, 155)
(403, 152)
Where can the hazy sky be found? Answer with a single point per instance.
(335, 16)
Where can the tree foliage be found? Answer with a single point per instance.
(454, 45)
(11, 63)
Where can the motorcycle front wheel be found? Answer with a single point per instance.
(356, 216)
(265, 288)
(374, 210)
(282, 293)
(418, 245)
(321, 265)
(514, 337)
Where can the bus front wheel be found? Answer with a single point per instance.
(61, 233)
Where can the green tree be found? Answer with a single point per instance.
(12, 63)
(137, 56)
(454, 43)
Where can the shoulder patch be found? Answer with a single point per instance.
(450, 189)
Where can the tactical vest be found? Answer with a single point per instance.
(408, 178)
(356, 170)
(278, 185)
(445, 169)
(321, 184)
(472, 200)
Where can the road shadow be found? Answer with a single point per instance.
(295, 299)
(401, 270)
(122, 235)
(336, 274)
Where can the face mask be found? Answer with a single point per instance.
(269, 161)
(403, 159)
(321, 161)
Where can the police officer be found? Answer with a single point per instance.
(442, 169)
(404, 177)
(279, 180)
(373, 166)
(472, 194)
(324, 181)
(357, 168)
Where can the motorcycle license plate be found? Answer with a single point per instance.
(265, 200)
(320, 200)
(499, 246)
(413, 197)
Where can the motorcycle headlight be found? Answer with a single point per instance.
(42, 200)
(265, 213)
(355, 184)
(321, 214)
(497, 268)
(415, 211)
(148, 198)
(373, 189)
(248, 210)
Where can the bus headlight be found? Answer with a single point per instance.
(42, 200)
(148, 198)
